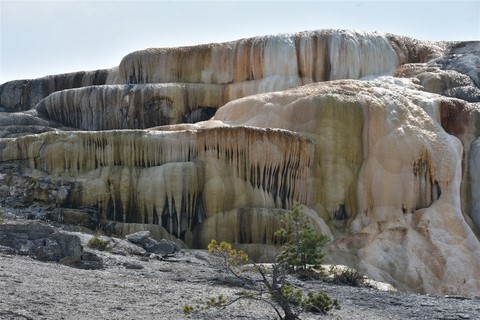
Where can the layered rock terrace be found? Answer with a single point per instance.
(376, 134)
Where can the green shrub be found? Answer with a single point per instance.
(319, 302)
(349, 277)
(97, 243)
(231, 258)
(188, 309)
(218, 302)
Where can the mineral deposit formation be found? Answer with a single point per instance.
(377, 135)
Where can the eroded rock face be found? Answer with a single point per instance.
(21, 95)
(216, 169)
(386, 165)
(393, 186)
(131, 106)
(44, 243)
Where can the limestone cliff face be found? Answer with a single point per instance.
(299, 58)
(271, 63)
(386, 165)
(384, 171)
(176, 179)
(21, 95)
(198, 80)
(131, 106)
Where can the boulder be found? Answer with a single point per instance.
(58, 246)
(139, 237)
(89, 261)
(42, 242)
(142, 238)
(24, 237)
(50, 251)
(124, 247)
(163, 247)
(70, 245)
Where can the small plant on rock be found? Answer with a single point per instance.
(188, 309)
(231, 258)
(319, 302)
(218, 302)
(349, 277)
(98, 243)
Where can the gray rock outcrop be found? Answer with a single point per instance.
(139, 237)
(162, 247)
(125, 247)
(44, 243)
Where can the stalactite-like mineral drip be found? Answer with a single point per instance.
(160, 176)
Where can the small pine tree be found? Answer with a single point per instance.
(231, 257)
(302, 249)
(303, 245)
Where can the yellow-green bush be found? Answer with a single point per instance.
(98, 243)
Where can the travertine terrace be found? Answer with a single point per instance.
(376, 134)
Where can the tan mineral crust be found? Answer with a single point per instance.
(375, 134)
